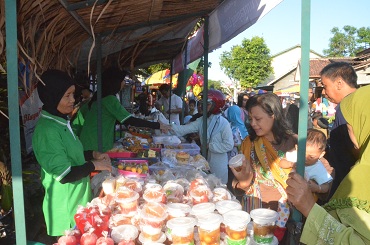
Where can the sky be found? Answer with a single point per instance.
(281, 27)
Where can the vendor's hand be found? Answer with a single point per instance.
(299, 193)
(101, 156)
(102, 165)
(165, 127)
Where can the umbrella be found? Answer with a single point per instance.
(290, 89)
(161, 77)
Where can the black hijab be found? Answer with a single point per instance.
(56, 84)
(111, 83)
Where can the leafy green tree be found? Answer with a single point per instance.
(249, 63)
(348, 41)
(214, 84)
(363, 37)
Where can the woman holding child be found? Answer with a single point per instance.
(261, 178)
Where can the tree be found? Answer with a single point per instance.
(348, 41)
(249, 63)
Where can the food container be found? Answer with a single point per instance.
(181, 230)
(176, 210)
(124, 233)
(133, 168)
(203, 208)
(236, 222)
(174, 192)
(191, 148)
(154, 195)
(127, 200)
(166, 139)
(220, 193)
(201, 194)
(227, 205)
(153, 214)
(144, 240)
(209, 228)
(237, 161)
(109, 185)
(264, 223)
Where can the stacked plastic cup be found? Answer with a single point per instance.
(264, 223)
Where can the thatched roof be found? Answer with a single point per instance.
(62, 34)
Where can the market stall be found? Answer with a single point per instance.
(161, 191)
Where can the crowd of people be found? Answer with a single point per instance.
(263, 127)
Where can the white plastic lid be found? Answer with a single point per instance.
(227, 205)
(181, 223)
(236, 218)
(203, 208)
(236, 161)
(178, 209)
(209, 220)
(124, 232)
(264, 216)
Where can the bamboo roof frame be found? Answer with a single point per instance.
(61, 34)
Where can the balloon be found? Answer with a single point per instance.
(188, 88)
(197, 89)
(194, 79)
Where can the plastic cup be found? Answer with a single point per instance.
(153, 214)
(144, 240)
(151, 233)
(174, 192)
(124, 233)
(220, 194)
(181, 230)
(236, 222)
(154, 195)
(203, 208)
(127, 201)
(109, 185)
(209, 228)
(264, 223)
(227, 205)
(201, 194)
(236, 162)
(176, 210)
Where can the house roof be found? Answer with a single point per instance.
(294, 47)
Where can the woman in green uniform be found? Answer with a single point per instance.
(86, 122)
(64, 170)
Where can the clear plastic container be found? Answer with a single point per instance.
(154, 195)
(209, 228)
(109, 185)
(181, 230)
(203, 208)
(153, 214)
(220, 193)
(236, 222)
(176, 210)
(124, 233)
(264, 223)
(227, 205)
(145, 240)
(127, 201)
(236, 162)
(201, 194)
(174, 192)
